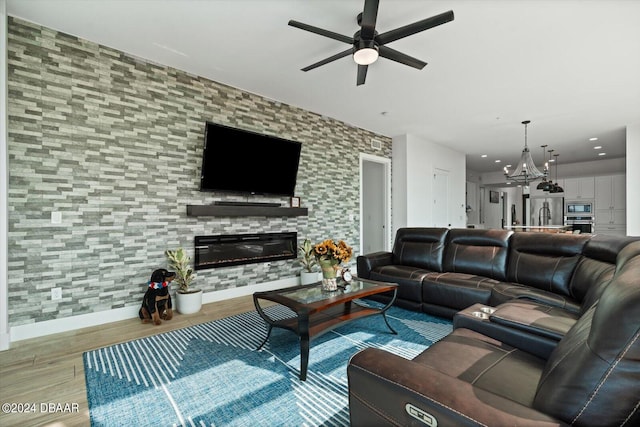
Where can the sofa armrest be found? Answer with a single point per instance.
(368, 262)
(385, 389)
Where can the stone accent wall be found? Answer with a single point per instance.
(114, 143)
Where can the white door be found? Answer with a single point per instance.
(440, 212)
(375, 203)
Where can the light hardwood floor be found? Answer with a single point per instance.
(49, 369)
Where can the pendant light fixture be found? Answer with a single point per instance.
(544, 184)
(550, 183)
(556, 188)
(526, 171)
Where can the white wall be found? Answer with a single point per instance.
(633, 180)
(399, 179)
(492, 211)
(4, 185)
(513, 196)
(414, 162)
(473, 202)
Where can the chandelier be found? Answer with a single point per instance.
(526, 171)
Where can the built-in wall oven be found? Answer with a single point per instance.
(580, 223)
(579, 215)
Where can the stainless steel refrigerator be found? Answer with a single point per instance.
(545, 211)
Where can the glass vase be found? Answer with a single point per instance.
(329, 272)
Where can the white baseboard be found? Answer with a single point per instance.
(48, 327)
(5, 341)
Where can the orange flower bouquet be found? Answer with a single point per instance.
(330, 255)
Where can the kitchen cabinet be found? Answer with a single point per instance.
(611, 192)
(610, 204)
(611, 216)
(579, 188)
(611, 230)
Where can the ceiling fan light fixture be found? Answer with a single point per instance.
(366, 52)
(366, 41)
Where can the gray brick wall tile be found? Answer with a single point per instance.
(115, 144)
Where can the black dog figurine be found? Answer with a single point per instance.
(156, 303)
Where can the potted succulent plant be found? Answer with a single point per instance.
(188, 300)
(308, 261)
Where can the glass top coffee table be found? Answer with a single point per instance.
(319, 311)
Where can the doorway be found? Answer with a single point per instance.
(440, 212)
(375, 204)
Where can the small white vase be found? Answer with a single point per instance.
(189, 303)
(307, 278)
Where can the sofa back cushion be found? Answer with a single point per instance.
(593, 375)
(543, 260)
(479, 252)
(596, 267)
(420, 247)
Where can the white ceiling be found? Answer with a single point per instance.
(572, 67)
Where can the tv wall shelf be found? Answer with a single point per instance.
(221, 210)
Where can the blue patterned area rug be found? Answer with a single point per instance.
(211, 374)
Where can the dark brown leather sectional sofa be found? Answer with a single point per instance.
(546, 331)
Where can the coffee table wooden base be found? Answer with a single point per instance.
(312, 321)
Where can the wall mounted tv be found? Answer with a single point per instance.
(245, 162)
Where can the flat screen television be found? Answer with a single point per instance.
(241, 161)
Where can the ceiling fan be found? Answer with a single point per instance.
(367, 44)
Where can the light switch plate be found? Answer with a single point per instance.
(56, 217)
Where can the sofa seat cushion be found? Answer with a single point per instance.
(408, 278)
(486, 363)
(504, 292)
(539, 319)
(456, 290)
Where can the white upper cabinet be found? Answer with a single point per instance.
(611, 192)
(579, 188)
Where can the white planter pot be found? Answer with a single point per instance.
(307, 278)
(189, 303)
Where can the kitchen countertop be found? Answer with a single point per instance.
(540, 228)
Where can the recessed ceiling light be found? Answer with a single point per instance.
(597, 147)
(593, 139)
(483, 156)
(602, 154)
(508, 166)
(498, 161)
(552, 160)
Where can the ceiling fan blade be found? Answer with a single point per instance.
(321, 31)
(329, 59)
(414, 28)
(362, 74)
(394, 55)
(369, 16)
